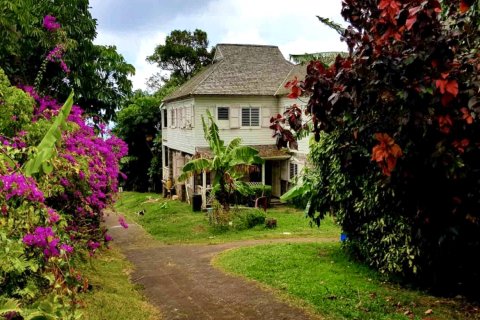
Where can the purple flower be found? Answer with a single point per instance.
(53, 216)
(43, 238)
(108, 237)
(93, 245)
(50, 23)
(122, 222)
(66, 248)
(17, 185)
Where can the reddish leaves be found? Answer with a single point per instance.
(294, 86)
(461, 145)
(447, 86)
(386, 153)
(445, 123)
(464, 6)
(466, 115)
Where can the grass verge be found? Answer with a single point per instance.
(113, 296)
(174, 222)
(321, 277)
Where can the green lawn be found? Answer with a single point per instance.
(172, 221)
(321, 277)
(113, 296)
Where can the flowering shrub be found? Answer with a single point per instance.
(48, 218)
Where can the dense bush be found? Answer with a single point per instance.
(234, 219)
(247, 218)
(54, 187)
(398, 131)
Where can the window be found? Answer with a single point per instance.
(222, 113)
(165, 122)
(293, 170)
(250, 117)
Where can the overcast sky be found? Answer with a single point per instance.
(137, 26)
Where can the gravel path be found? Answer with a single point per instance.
(182, 283)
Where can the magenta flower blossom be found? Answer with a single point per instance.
(44, 238)
(50, 23)
(122, 222)
(17, 185)
(108, 237)
(53, 216)
(66, 248)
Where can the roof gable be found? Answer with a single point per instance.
(238, 70)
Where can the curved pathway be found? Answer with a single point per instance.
(181, 282)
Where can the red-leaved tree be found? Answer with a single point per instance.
(398, 153)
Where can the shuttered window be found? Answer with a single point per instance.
(223, 113)
(250, 117)
(293, 170)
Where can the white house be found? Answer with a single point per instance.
(243, 88)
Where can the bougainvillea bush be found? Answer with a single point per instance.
(398, 154)
(57, 176)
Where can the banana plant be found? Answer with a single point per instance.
(228, 163)
(39, 162)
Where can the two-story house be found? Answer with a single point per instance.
(243, 88)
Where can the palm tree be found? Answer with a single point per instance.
(228, 164)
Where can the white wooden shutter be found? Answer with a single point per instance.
(265, 117)
(192, 116)
(234, 117)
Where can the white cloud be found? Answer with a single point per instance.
(292, 26)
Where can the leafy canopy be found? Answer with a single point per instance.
(182, 56)
(98, 74)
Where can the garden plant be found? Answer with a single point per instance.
(58, 173)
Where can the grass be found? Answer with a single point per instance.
(172, 221)
(113, 296)
(321, 277)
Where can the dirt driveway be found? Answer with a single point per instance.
(181, 282)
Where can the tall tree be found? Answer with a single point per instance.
(98, 74)
(183, 54)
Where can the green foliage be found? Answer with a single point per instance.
(183, 54)
(326, 57)
(138, 124)
(46, 148)
(248, 218)
(228, 163)
(98, 74)
(16, 107)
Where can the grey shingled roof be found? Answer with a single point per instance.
(238, 70)
(299, 71)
